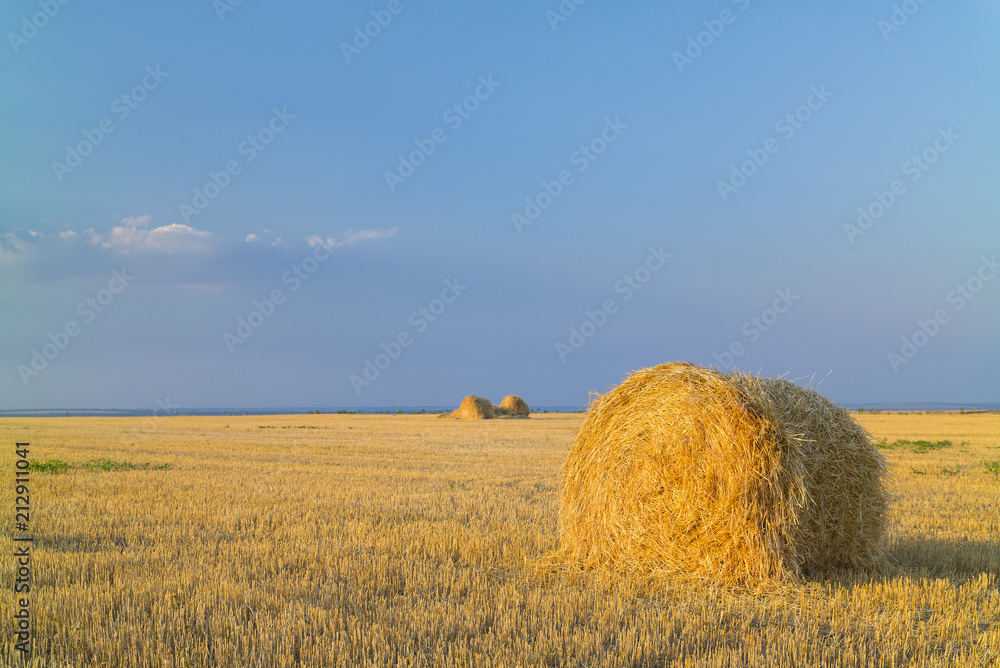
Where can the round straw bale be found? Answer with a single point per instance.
(515, 404)
(726, 478)
(474, 408)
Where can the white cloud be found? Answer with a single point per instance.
(266, 237)
(352, 238)
(132, 236)
(169, 239)
(10, 244)
(176, 253)
(137, 221)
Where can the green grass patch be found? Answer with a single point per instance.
(59, 466)
(112, 465)
(992, 467)
(49, 466)
(913, 446)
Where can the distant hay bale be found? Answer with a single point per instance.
(515, 405)
(474, 408)
(726, 478)
(480, 408)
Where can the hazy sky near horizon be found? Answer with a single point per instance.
(260, 205)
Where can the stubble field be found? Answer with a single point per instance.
(348, 540)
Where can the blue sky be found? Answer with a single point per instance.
(697, 172)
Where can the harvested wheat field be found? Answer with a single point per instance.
(344, 540)
(723, 478)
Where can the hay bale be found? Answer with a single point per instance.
(515, 405)
(727, 478)
(474, 408)
(480, 408)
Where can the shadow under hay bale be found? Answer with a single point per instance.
(726, 478)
